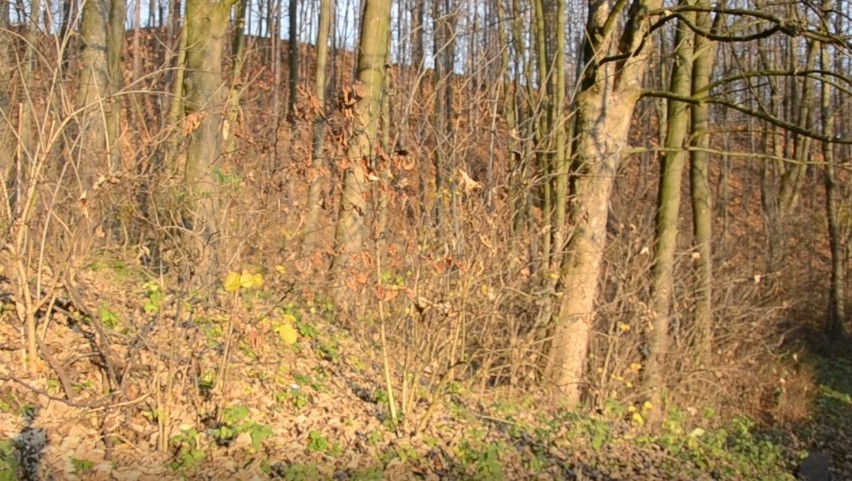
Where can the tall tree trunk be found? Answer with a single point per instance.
(293, 58)
(137, 40)
(440, 79)
(608, 95)
(319, 161)
(372, 50)
(206, 29)
(701, 197)
(6, 134)
(102, 33)
(668, 214)
(239, 54)
(836, 318)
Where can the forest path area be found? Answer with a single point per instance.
(829, 434)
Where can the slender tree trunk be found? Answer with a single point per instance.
(836, 318)
(137, 41)
(293, 58)
(439, 82)
(319, 161)
(605, 103)
(349, 233)
(672, 163)
(6, 134)
(174, 24)
(701, 197)
(239, 54)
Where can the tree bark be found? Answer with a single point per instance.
(239, 54)
(314, 200)
(102, 33)
(206, 29)
(293, 58)
(700, 194)
(608, 95)
(836, 317)
(668, 215)
(350, 228)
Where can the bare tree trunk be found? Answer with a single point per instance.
(668, 215)
(102, 34)
(319, 161)
(206, 30)
(350, 229)
(836, 318)
(6, 134)
(239, 54)
(293, 58)
(608, 95)
(701, 196)
(137, 40)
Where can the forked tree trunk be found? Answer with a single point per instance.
(608, 95)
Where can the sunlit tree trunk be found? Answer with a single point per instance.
(6, 135)
(102, 34)
(605, 103)
(206, 29)
(668, 213)
(350, 228)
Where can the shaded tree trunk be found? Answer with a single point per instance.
(319, 161)
(836, 317)
(239, 54)
(700, 194)
(668, 214)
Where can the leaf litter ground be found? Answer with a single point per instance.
(315, 409)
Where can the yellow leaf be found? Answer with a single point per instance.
(288, 318)
(232, 282)
(635, 367)
(257, 281)
(288, 334)
(246, 280)
(280, 269)
(638, 419)
(647, 406)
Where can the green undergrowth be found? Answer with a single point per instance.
(834, 376)
(613, 445)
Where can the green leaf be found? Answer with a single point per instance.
(235, 414)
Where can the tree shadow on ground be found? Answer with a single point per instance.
(21, 458)
(830, 430)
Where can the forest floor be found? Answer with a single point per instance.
(303, 400)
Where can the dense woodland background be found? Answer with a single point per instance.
(637, 211)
